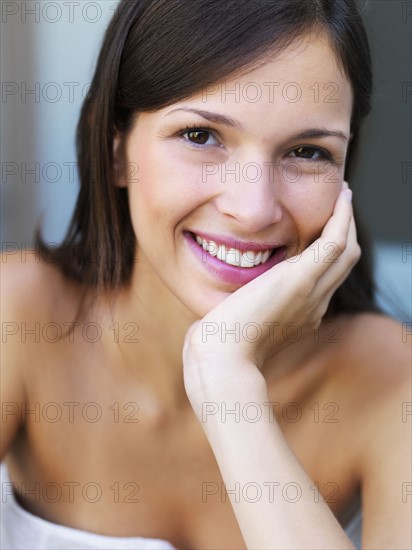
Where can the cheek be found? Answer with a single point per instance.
(164, 192)
(311, 208)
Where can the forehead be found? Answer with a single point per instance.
(304, 81)
(310, 58)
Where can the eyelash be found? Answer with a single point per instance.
(325, 155)
(189, 129)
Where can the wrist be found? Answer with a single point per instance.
(223, 381)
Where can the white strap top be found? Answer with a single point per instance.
(21, 530)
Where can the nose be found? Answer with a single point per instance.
(250, 193)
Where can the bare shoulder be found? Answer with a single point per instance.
(378, 369)
(35, 298)
(32, 287)
(373, 360)
(377, 346)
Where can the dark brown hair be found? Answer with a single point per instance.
(157, 52)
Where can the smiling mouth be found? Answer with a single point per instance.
(233, 256)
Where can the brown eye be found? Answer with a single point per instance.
(201, 138)
(198, 136)
(309, 153)
(306, 152)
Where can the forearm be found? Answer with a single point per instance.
(275, 501)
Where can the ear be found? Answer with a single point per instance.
(120, 179)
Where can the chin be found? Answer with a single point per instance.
(206, 303)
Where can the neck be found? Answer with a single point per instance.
(152, 323)
(159, 321)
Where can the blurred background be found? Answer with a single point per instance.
(48, 54)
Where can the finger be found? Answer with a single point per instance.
(333, 279)
(345, 262)
(332, 242)
(328, 232)
(337, 228)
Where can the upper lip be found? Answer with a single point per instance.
(238, 244)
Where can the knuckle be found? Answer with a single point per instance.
(341, 243)
(356, 253)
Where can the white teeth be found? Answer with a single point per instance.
(265, 256)
(221, 253)
(258, 259)
(247, 261)
(213, 249)
(232, 256)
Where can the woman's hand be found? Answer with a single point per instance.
(222, 373)
(245, 329)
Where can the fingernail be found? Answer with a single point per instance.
(345, 185)
(348, 194)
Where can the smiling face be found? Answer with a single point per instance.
(255, 162)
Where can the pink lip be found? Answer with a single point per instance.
(230, 273)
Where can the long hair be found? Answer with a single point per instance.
(158, 52)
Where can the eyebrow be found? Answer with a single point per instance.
(211, 117)
(218, 118)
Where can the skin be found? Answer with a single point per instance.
(170, 453)
(271, 210)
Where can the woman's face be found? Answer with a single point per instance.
(250, 162)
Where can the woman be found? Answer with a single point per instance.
(218, 375)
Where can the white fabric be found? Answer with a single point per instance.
(21, 530)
